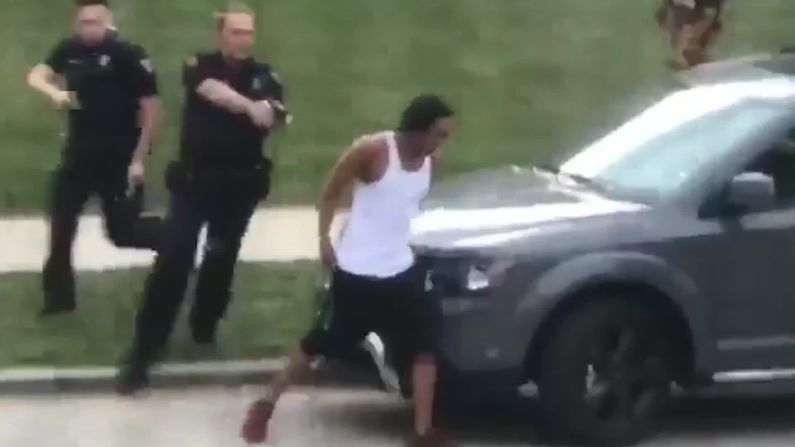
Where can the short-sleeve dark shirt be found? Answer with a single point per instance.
(213, 136)
(109, 81)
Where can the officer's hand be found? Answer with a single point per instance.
(62, 99)
(136, 173)
(327, 254)
(262, 114)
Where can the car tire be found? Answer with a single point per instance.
(606, 373)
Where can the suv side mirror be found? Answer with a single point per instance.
(748, 193)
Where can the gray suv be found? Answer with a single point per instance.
(662, 254)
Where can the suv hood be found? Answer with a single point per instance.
(488, 209)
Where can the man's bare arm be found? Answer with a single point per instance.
(345, 173)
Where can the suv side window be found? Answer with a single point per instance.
(779, 163)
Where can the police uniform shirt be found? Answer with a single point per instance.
(108, 80)
(213, 136)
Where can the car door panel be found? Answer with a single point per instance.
(752, 306)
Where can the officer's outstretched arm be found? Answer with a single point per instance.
(224, 96)
(42, 79)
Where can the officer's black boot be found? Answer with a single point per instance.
(154, 322)
(148, 348)
(134, 373)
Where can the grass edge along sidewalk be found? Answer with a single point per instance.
(273, 305)
(234, 374)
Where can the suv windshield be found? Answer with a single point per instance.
(656, 153)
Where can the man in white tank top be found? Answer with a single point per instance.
(375, 285)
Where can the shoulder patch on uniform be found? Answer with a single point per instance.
(192, 61)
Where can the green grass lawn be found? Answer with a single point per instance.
(529, 77)
(273, 307)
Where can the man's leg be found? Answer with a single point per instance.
(415, 351)
(349, 323)
(682, 32)
(225, 230)
(423, 378)
(68, 196)
(707, 34)
(125, 225)
(163, 292)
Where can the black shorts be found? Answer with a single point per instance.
(396, 308)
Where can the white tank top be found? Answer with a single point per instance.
(375, 241)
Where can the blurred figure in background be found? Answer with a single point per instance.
(110, 92)
(694, 26)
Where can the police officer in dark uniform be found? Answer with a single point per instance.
(232, 102)
(111, 96)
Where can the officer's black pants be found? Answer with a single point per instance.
(227, 219)
(71, 188)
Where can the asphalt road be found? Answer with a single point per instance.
(350, 418)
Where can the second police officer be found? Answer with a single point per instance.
(231, 103)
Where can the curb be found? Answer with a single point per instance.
(173, 376)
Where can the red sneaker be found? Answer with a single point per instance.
(255, 427)
(432, 438)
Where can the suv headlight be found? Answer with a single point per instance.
(457, 277)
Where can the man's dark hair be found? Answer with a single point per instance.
(83, 3)
(423, 112)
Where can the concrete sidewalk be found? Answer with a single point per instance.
(275, 235)
(44, 381)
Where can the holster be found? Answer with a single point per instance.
(252, 182)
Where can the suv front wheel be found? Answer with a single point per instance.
(606, 373)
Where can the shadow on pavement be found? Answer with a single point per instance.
(696, 421)
(731, 416)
